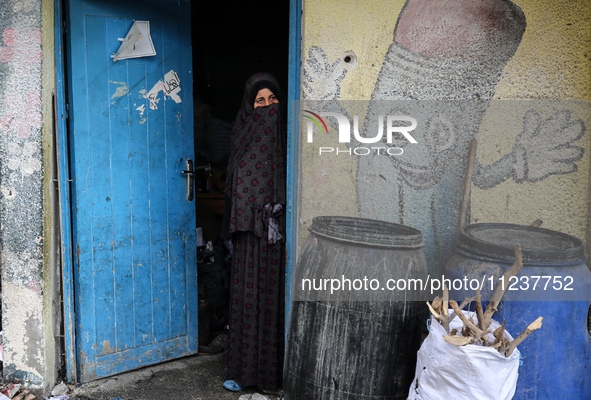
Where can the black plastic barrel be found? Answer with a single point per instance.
(554, 283)
(353, 343)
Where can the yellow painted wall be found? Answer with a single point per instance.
(553, 62)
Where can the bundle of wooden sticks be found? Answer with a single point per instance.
(474, 332)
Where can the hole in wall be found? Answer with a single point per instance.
(349, 59)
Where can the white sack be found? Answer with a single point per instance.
(445, 371)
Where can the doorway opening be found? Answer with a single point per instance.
(228, 47)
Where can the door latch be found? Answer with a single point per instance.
(189, 172)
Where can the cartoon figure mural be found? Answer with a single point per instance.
(444, 62)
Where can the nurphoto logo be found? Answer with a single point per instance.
(397, 127)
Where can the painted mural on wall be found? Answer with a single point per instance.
(21, 188)
(443, 66)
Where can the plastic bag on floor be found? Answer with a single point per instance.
(446, 371)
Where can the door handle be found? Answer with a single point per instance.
(189, 172)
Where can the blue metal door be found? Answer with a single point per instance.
(131, 135)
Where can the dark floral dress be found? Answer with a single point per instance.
(255, 221)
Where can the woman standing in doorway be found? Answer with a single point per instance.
(255, 221)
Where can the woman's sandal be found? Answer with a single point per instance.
(233, 386)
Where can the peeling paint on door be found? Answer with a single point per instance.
(119, 197)
(121, 90)
(141, 109)
(107, 349)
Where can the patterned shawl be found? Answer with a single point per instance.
(255, 182)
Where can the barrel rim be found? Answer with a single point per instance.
(369, 232)
(468, 243)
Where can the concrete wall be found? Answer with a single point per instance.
(514, 53)
(27, 76)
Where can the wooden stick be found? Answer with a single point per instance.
(499, 334)
(461, 306)
(458, 340)
(537, 324)
(504, 344)
(500, 289)
(440, 308)
(467, 183)
(477, 332)
(436, 307)
(466, 331)
(478, 309)
(445, 305)
(467, 301)
(435, 313)
(445, 308)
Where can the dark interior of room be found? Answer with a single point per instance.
(230, 43)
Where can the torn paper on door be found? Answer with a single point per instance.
(171, 86)
(137, 42)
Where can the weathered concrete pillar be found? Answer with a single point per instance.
(26, 82)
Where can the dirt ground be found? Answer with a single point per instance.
(197, 377)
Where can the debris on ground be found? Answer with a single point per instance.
(10, 390)
(255, 396)
(60, 389)
(25, 395)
